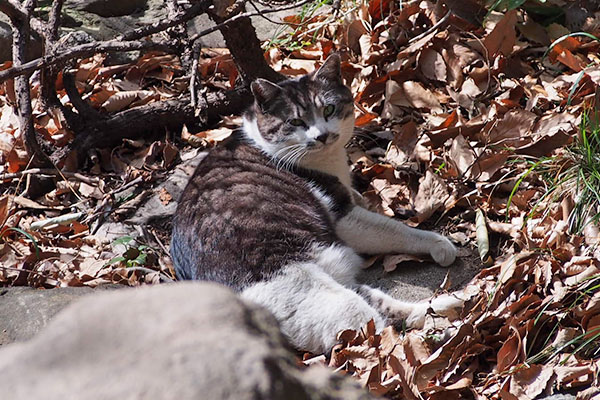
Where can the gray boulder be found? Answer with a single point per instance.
(24, 311)
(5, 42)
(107, 8)
(180, 341)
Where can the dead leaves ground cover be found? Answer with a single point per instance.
(456, 108)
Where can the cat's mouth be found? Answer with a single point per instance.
(322, 141)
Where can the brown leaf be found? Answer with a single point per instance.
(121, 100)
(530, 380)
(411, 94)
(390, 263)
(534, 32)
(513, 129)
(461, 155)
(437, 362)
(487, 165)
(503, 36)
(510, 353)
(432, 195)
(432, 64)
(402, 146)
(6, 208)
(569, 59)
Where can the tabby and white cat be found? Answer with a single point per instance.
(271, 214)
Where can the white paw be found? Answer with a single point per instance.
(448, 305)
(443, 251)
(416, 319)
(445, 305)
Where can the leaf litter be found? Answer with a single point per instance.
(455, 110)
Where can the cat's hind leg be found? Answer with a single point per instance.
(311, 306)
(413, 314)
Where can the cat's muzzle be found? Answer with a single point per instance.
(322, 140)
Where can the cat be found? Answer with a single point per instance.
(272, 214)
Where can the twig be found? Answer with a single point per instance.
(30, 271)
(85, 110)
(264, 16)
(243, 15)
(432, 29)
(84, 50)
(126, 186)
(60, 220)
(12, 10)
(99, 214)
(50, 172)
(194, 73)
(160, 243)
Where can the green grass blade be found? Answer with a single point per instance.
(30, 237)
(560, 39)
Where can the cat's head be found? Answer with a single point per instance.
(305, 117)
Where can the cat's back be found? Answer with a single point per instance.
(240, 219)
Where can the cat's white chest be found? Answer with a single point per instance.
(333, 163)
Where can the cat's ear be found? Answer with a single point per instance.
(264, 91)
(330, 70)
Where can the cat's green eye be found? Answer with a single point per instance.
(296, 122)
(328, 110)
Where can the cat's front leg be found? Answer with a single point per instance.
(371, 233)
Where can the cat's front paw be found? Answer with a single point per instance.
(443, 251)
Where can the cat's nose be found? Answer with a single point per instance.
(322, 137)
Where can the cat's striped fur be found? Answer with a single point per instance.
(271, 214)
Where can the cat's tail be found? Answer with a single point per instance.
(413, 314)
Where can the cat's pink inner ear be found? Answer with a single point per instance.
(331, 68)
(264, 91)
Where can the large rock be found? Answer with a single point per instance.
(24, 311)
(180, 341)
(107, 8)
(5, 41)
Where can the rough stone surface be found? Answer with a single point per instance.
(25, 311)
(413, 281)
(5, 41)
(154, 208)
(107, 8)
(105, 19)
(180, 341)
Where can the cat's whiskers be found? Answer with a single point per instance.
(283, 162)
(275, 157)
(290, 157)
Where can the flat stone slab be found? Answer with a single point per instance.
(24, 311)
(414, 281)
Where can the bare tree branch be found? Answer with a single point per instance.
(95, 129)
(84, 50)
(154, 117)
(126, 42)
(85, 110)
(15, 11)
(48, 76)
(12, 10)
(247, 15)
(20, 37)
(54, 19)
